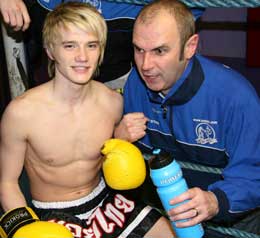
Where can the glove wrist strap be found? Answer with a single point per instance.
(12, 220)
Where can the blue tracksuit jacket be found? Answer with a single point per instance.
(211, 116)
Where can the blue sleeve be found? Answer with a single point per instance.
(135, 99)
(239, 191)
(130, 88)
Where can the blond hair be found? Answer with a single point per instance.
(82, 15)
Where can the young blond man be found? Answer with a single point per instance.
(56, 131)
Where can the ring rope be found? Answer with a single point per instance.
(200, 168)
(232, 231)
(202, 3)
(192, 166)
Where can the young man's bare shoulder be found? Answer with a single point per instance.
(110, 99)
(22, 106)
(108, 94)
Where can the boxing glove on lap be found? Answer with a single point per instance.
(23, 222)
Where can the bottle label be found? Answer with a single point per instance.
(171, 179)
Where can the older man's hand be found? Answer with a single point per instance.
(132, 127)
(200, 206)
(15, 14)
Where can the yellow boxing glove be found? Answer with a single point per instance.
(22, 222)
(123, 166)
(43, 229)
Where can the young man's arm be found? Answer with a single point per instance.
(12, 153)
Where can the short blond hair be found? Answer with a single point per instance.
(82, 15)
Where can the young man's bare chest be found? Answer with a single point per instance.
(57, 139)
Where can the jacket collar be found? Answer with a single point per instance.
(185, 87)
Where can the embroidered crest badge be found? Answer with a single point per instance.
(205, 134)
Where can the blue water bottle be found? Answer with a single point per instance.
(167, 176)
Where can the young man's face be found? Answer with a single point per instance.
(157, 52)
(76, 54)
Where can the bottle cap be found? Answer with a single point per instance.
(160, 159)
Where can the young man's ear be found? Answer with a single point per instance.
(191, 46)
(49, 53)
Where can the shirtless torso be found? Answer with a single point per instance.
(59, 143)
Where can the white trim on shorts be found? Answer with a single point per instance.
(77, 202)
(68, 204)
